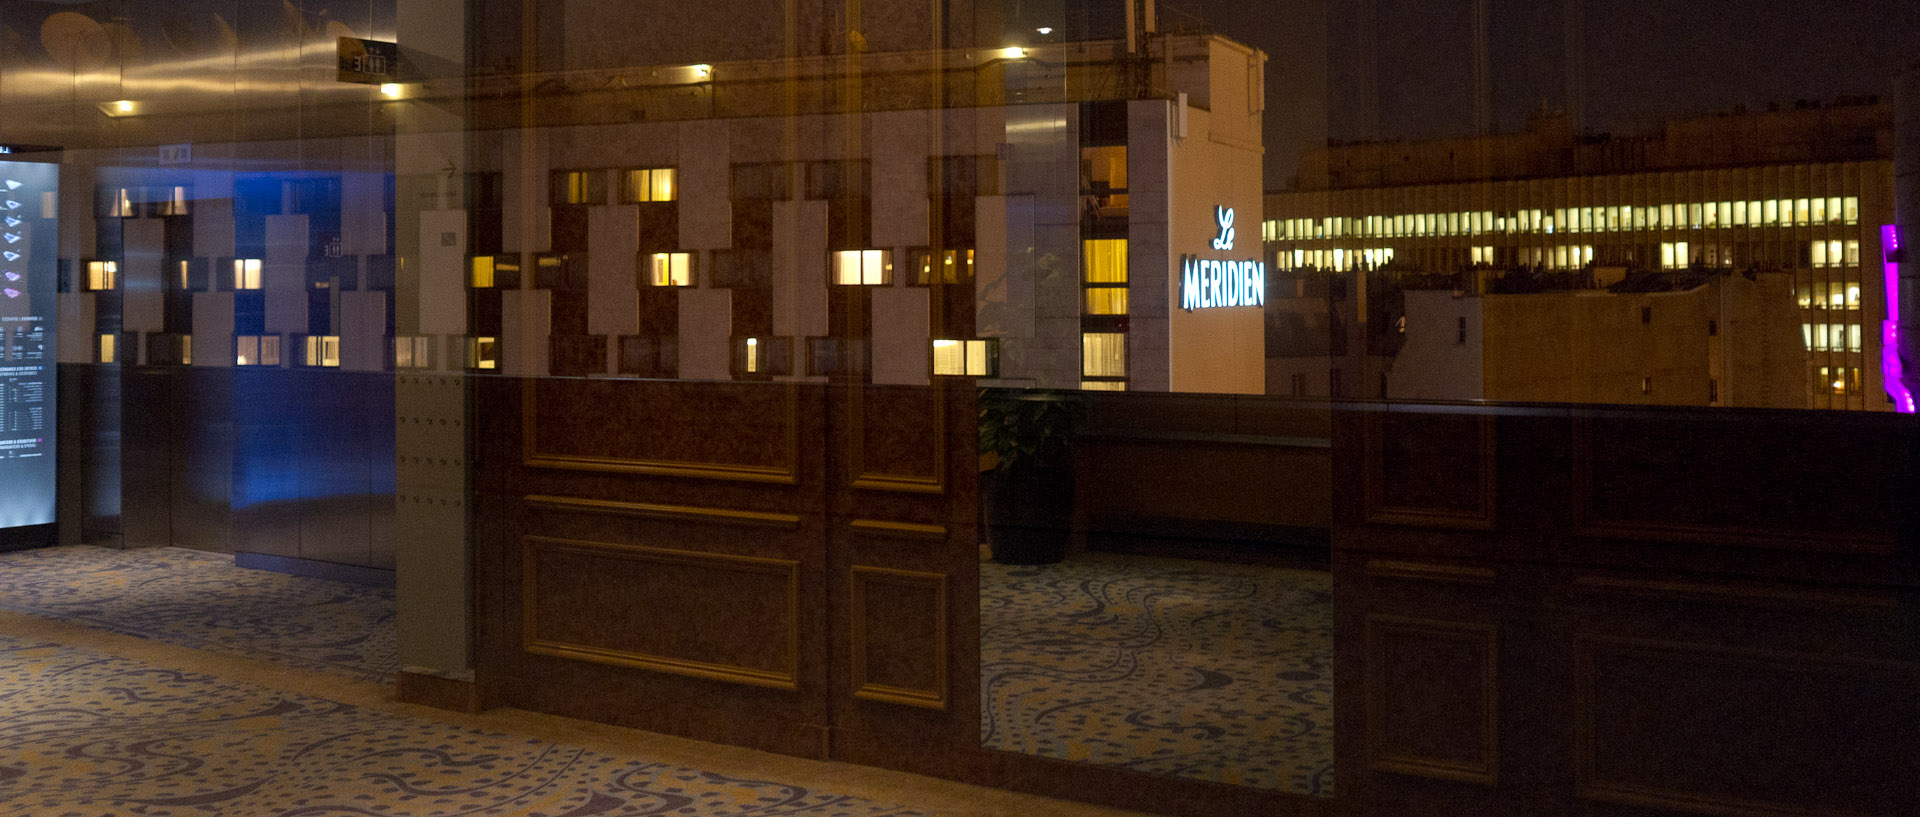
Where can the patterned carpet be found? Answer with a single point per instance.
(1193, 669)
(89, 735)
(201, 600)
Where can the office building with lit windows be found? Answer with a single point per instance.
(1802, 190)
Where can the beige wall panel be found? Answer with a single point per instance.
(213, 329)
(613, 238)
(800, 269)
(212, 227)
(443, 271)
(526, 315)
(363, 324)
(705, 184)
(900, 178)
(706, 331)
(901, 346)
(143, 287)
(525, 226)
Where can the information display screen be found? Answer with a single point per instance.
(28, 287)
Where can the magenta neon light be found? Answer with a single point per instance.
(1892, 371)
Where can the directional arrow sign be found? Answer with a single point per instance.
(13, 221)
(13, 276)
(13, 185)
(12, 293)
(12, 205)
(10, 255)
(13, 238)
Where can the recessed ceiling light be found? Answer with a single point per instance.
(390, 90)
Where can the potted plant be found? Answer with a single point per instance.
(1026, 474)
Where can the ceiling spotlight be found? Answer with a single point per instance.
(1045, 29)
(390, 90)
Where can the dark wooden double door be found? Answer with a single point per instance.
(785, 566)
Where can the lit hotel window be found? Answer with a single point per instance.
(256, 350)
(106, 348)
(1851, 207)
(246, 273)
(1819, 211)
(103, 275)
(966, 358)
(578, 187)
(641, 185)
(1103, 355)
(862, 268)
(945, 267)
(121, 204)
(323, 350)
(762, 358)
(670, 269)
(176, 203)
(494, 271)
(483, 353)
(1853, 296)
(412, 352)
(1853, 253)
(1104, 268)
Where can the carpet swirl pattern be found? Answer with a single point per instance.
(1192, 669)
(89, 735)
(201, 600)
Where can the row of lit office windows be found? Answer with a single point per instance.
(1691, 215)
(1830, 295)
(320, 351)
(104, 276)
(637, 185)
(1840, 380)
(680, 269)
(1834, 337)
(1673, 255)
(751, 356)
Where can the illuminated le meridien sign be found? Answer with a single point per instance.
(1207, 283)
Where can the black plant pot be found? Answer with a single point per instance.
(1029, 514)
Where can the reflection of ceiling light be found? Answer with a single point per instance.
(124, 105)
(119, 107)
(1045, 29)
(1012, 52)
(703, 70)
(390, 90)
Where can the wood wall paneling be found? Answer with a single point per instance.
(747, 432)
(1429, 470)
(1708, 729)
(704, 615)
(1432, 698)
(898, 635)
